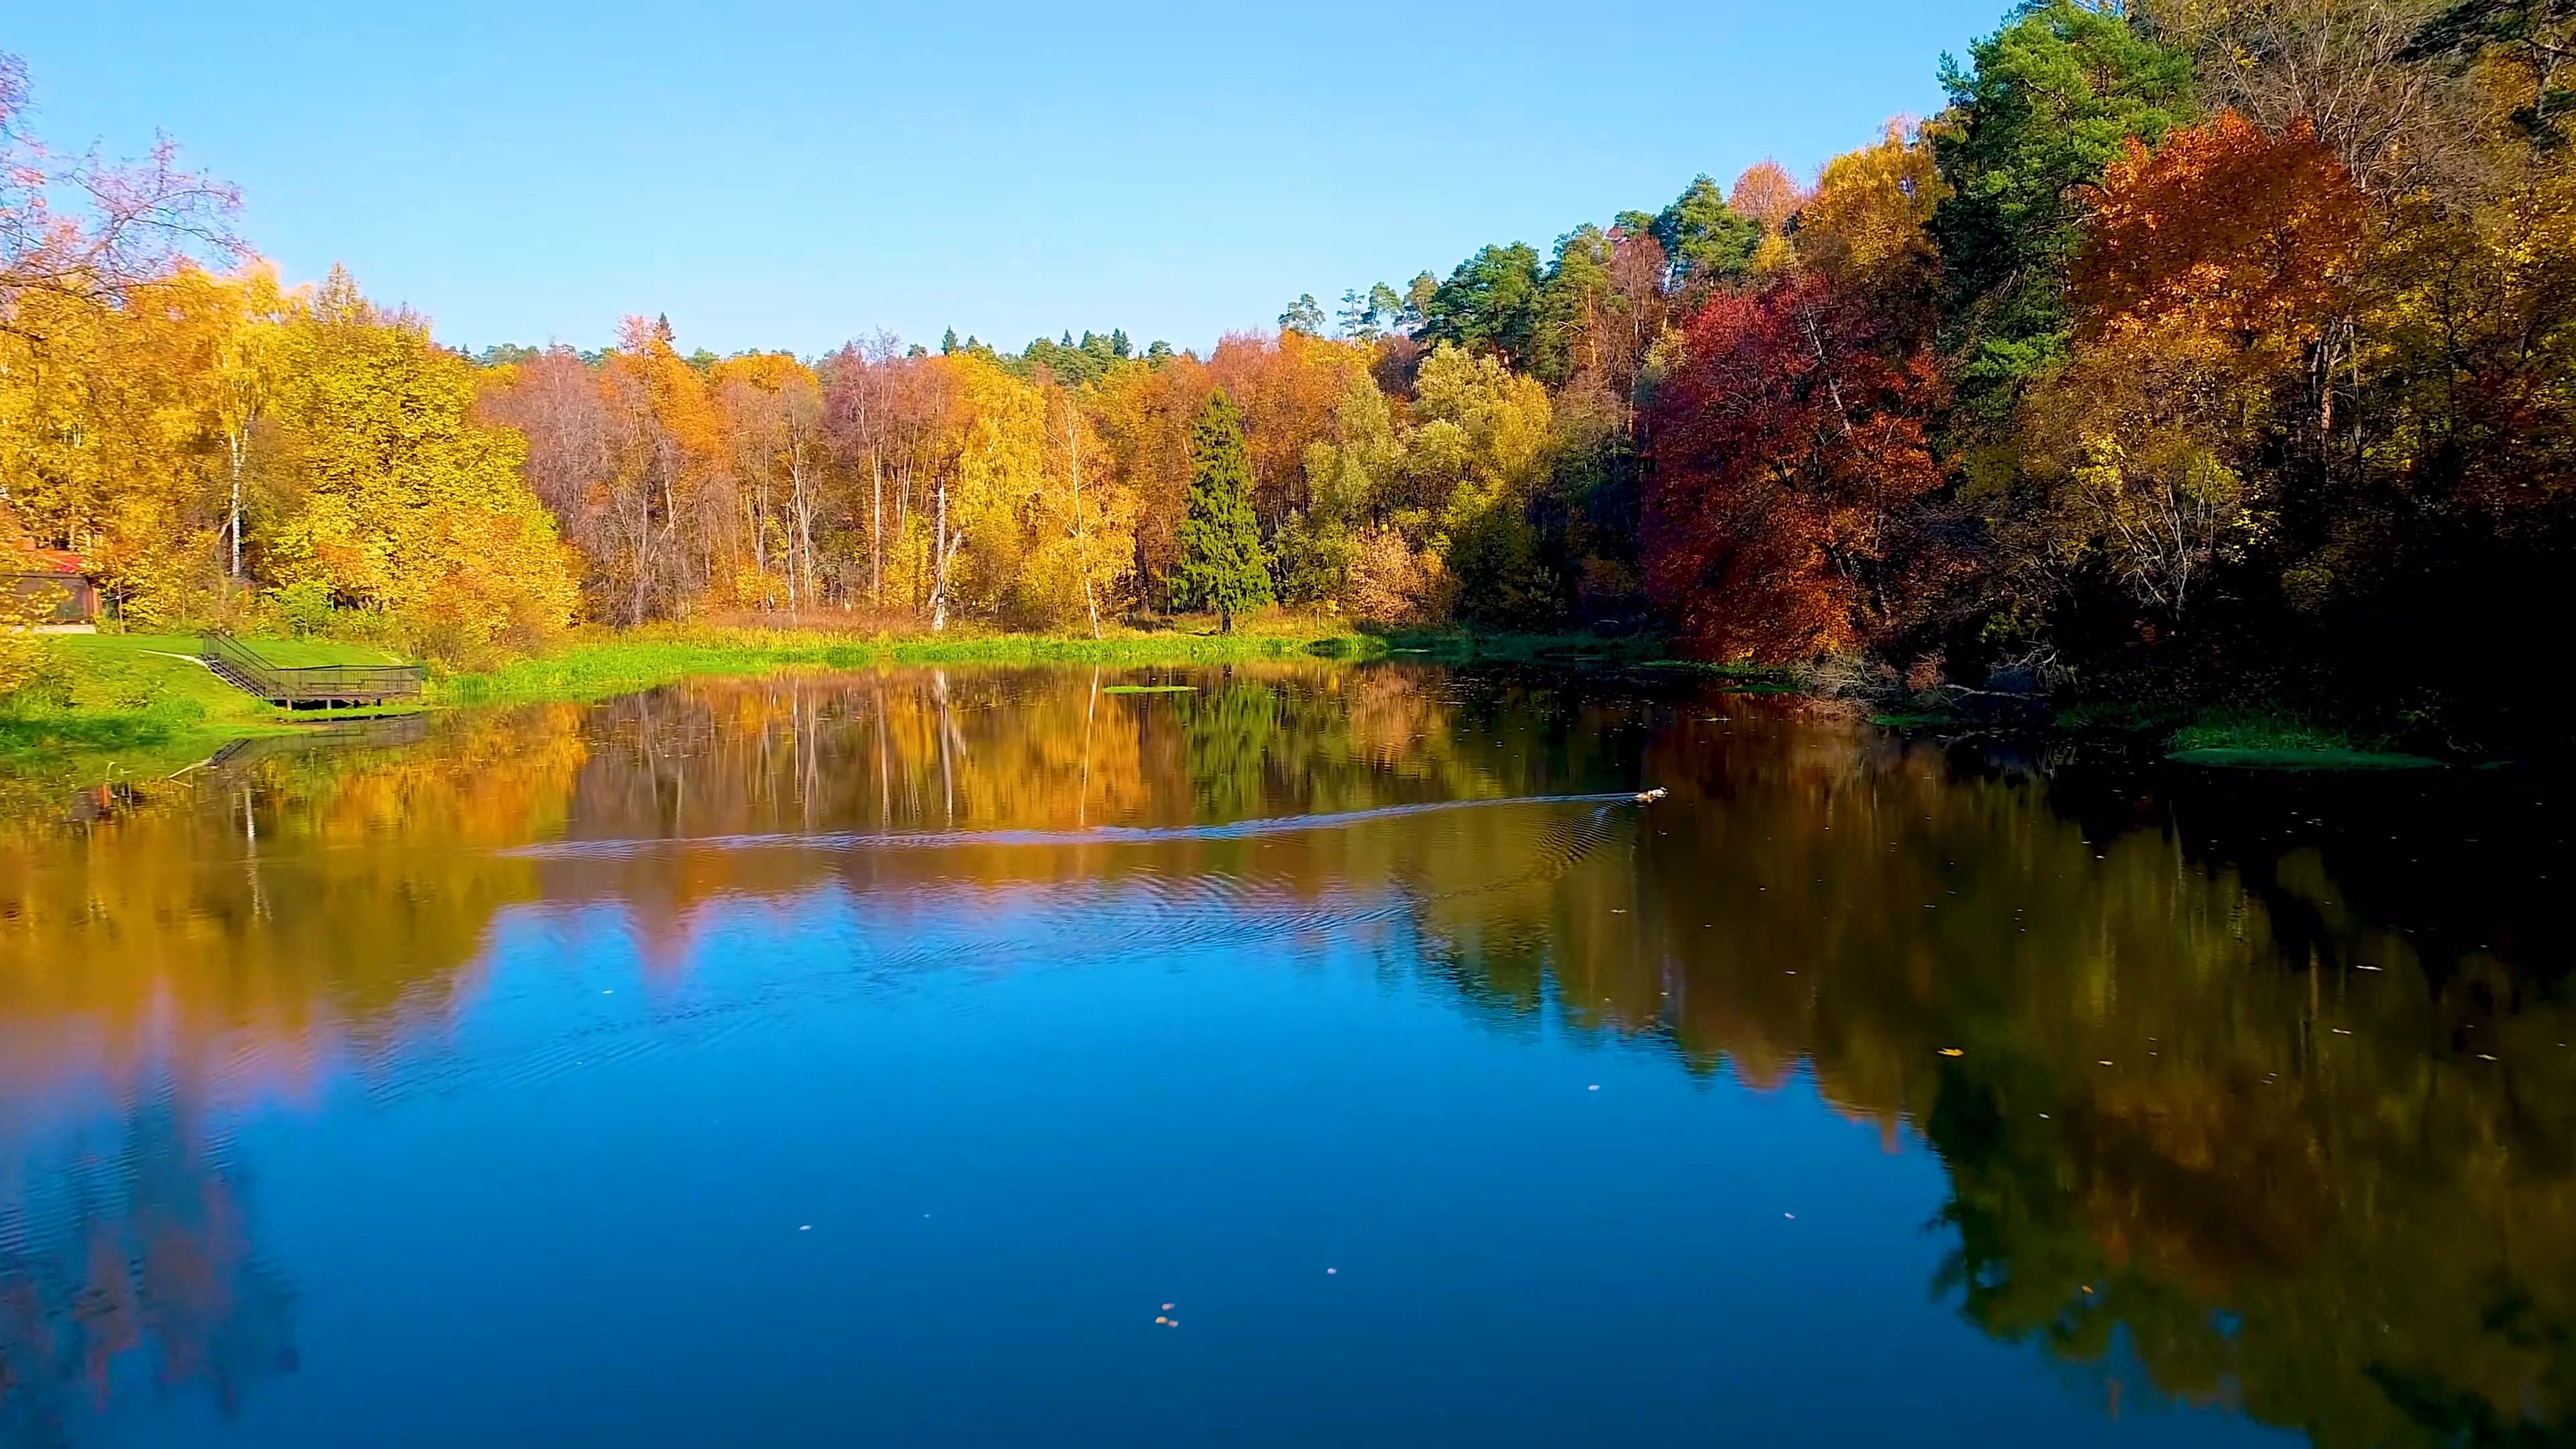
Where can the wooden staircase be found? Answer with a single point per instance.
(323, 686)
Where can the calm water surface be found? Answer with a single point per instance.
(875, 1058)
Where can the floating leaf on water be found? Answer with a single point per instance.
(1954, 1051)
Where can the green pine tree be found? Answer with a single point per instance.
(1222, 564)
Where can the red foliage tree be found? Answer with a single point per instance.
(1789, 446)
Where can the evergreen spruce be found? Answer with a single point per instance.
(1222, 564)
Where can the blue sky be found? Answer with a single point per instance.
(791, 175)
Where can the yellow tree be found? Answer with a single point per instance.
(409, 509)
(1144, 415)
(991, 473)
(1476, 456)
(771, 409)
(246, 378)
(886, 414)
(667, 508)
(1082, 523)
(1870, 208)
(106, 443)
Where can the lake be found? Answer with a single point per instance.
(1281, 1055)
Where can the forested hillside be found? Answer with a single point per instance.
(2195, 348)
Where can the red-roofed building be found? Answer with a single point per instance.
(27, 568)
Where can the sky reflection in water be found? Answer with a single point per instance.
(611, 1074)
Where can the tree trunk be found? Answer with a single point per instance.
(939, 562)
(236, 444)
(1081, 554)
(760, 543)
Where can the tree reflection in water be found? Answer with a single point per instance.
(2256, 1087)
(126, 1265)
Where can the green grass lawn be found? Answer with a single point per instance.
(94, 678)
(604, 665)
(2234, 759)
(301, 653)
(138, 703)
(2259, 740)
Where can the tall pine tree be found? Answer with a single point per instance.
(1222, 566)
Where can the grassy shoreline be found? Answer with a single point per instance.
(112, 706)
(602, 666)
(2264, 740)
(2234, 737)
(115, 706)
(107, 706)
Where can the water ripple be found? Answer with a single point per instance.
(1092, 835)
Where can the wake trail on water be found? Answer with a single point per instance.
(1069, 923)
(1091, 835)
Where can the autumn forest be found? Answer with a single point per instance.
(2205, 348)
(1906, 793)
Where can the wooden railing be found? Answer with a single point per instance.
(309, 686)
